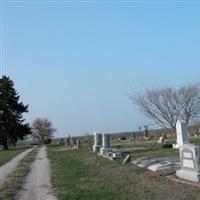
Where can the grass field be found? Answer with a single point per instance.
(5, 156)
(79, 174)
(148, 143)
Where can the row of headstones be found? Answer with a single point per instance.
(69, 142)
(189, 154)
(102, 143)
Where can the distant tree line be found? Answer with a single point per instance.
(12, 126)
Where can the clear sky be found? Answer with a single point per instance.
(75, 62)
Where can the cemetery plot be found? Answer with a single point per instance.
(141, 170)
(81, 174)
(165, 165)
(190, 163)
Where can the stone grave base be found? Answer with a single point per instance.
(96, 148)
(117, 155)
(178, 180)
(158, 164)
(146, 163)
(164, 165)
(106, 156)
(139, 160)
(176, 146)
(105, 151)
(188, 175)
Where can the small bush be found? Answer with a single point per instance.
(167, 145)
(47, 141)
(123, 138)
(35, 143)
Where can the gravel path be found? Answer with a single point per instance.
(37, 185)
(10, 166)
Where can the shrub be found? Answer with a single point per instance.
(167, 145)
(47, 141)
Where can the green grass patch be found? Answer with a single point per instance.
(159, 152)
(15, 180)
(7, 155)
(83, 175)
(148, 143)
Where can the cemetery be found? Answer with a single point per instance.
(131, 169)
(99, 100)
(136, 168)
(160, 163)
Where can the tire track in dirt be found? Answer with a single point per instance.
(10, 166)
(37, 183)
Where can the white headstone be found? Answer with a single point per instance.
(181, 134)
(106, 144)
(161, 140)
(190, 163)
(97, 142)
(106, 140)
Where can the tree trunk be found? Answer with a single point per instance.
(5, 145)
(5, 142)
(14, 144)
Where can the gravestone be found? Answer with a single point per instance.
(89, 142)
(117, 155)
(69, 140)
(161, 140)
(146, 132)
(139, 160)
(106, 144)
(148, 162)
(127, 159)
(106, 140)
(181, 134)
(164, 165)
(67, 143)
(97, 142)
(190, 163)
(73, 141)
(133, 136)
(78, 144)
(61, 141)
(1, 148)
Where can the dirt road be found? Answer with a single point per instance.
(10, 166)
(37, 185)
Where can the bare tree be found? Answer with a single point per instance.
(165, 106)
(42, 129)
(189, 102)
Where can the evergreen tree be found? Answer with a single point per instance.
(12, 127)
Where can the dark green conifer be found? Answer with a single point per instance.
(12, 125)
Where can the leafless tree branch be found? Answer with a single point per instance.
(166, 105)
(42, 129)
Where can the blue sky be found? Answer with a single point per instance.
(75, 62)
